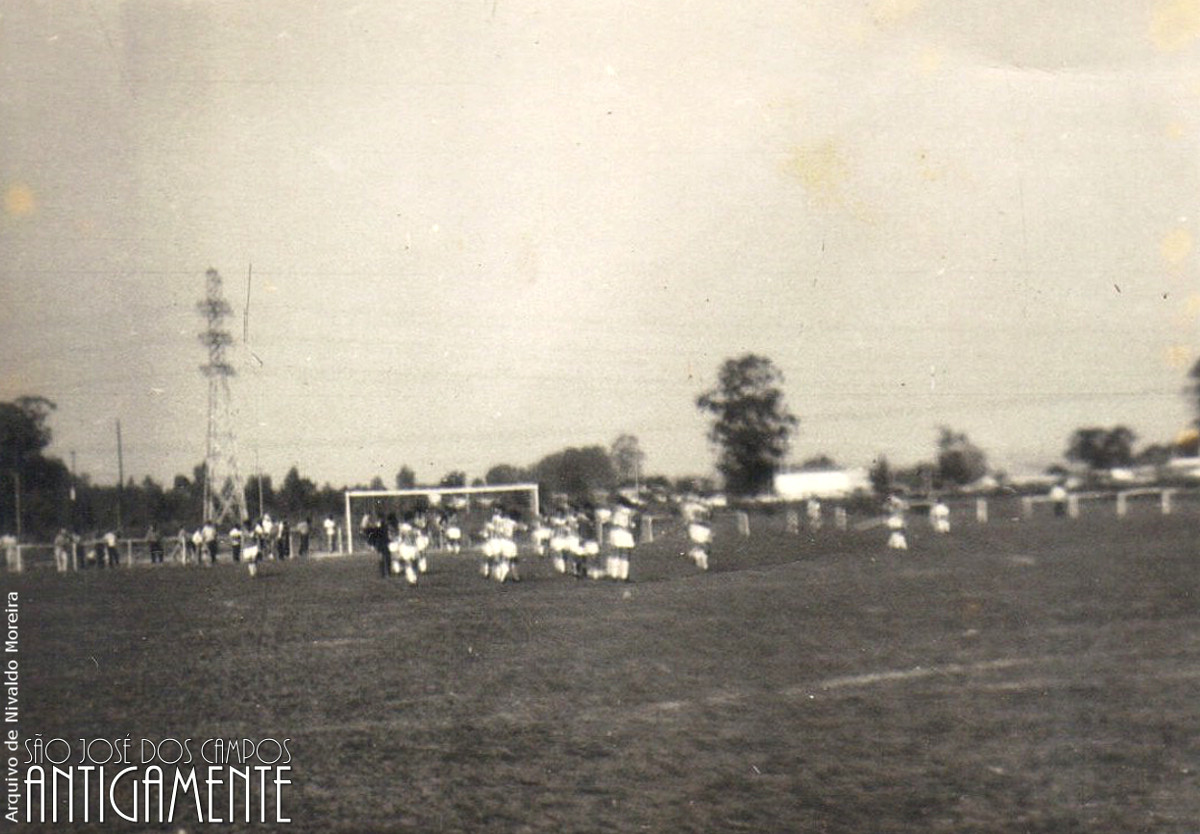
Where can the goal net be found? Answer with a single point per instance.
(466, 508)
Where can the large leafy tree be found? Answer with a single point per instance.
(751, 425)
(627, 458)
(881, 476)
(505, 473)
(296, 494)
(1102, 448)
(959, 461)
(38, 483)
(576, 472)
(258, 486)
(23, 430)
(820, 463)
(454, 479)
(406, 478)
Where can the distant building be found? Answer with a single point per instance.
(1185, 468)
(1133, 475)
(830, 483)
(1031, 481)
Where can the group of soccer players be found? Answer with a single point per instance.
(572, 537)
(897, 522)
(582, 542)
(402, 543)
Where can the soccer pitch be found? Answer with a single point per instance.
(1032, 676)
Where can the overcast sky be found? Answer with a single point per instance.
(484, 231)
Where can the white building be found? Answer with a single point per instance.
(825, 483)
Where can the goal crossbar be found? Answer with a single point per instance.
(532, 489)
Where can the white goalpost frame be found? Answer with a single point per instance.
(532, 489)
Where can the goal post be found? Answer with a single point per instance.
(433, 495)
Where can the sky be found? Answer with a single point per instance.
(456, 235)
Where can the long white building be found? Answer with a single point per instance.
(825, 483)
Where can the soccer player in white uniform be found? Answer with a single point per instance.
(939, 517)
(540, 536)
(1058, 495)
(420, 525)
(330, 531)
(209, 532)
(599, 568)
(235, 542)
(198, 545)
(699, 533)
(510, 554)
(270, 534)
(564, 541)
(587, 553)
(453, 535)
(897, 540)
(405, 553)
(422, 543)
(620, 539)
(491, 548)
(259, 547)
(499, 549)
(62, 543)
(111, 550)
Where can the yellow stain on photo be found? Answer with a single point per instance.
(1174, 24)
(19, 200)
(1175, 246)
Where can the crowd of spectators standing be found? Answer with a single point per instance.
(255, 541)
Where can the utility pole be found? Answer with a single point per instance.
(71, 493)
(17, 499)
(120, 475)
(258, 480)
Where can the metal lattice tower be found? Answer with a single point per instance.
(224, 490)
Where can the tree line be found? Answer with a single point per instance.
(50, 496)
(751, 429)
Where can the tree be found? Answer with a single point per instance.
(1193, 391)
(23, 429)
(821, 463)
(1156, 454)
(695, 485)
(37, 484)
(1102, 448)
(751, 426)
(329, 500)
(406, 478)
(296, 495)
(45, 500)
(627, 458)
(657, 482)
(919, 477)
(454, 479)
(959, 461)
(576, 472)
(503, 473)
(881, 476)
(253, 485)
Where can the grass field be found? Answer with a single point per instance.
(1039, 676)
